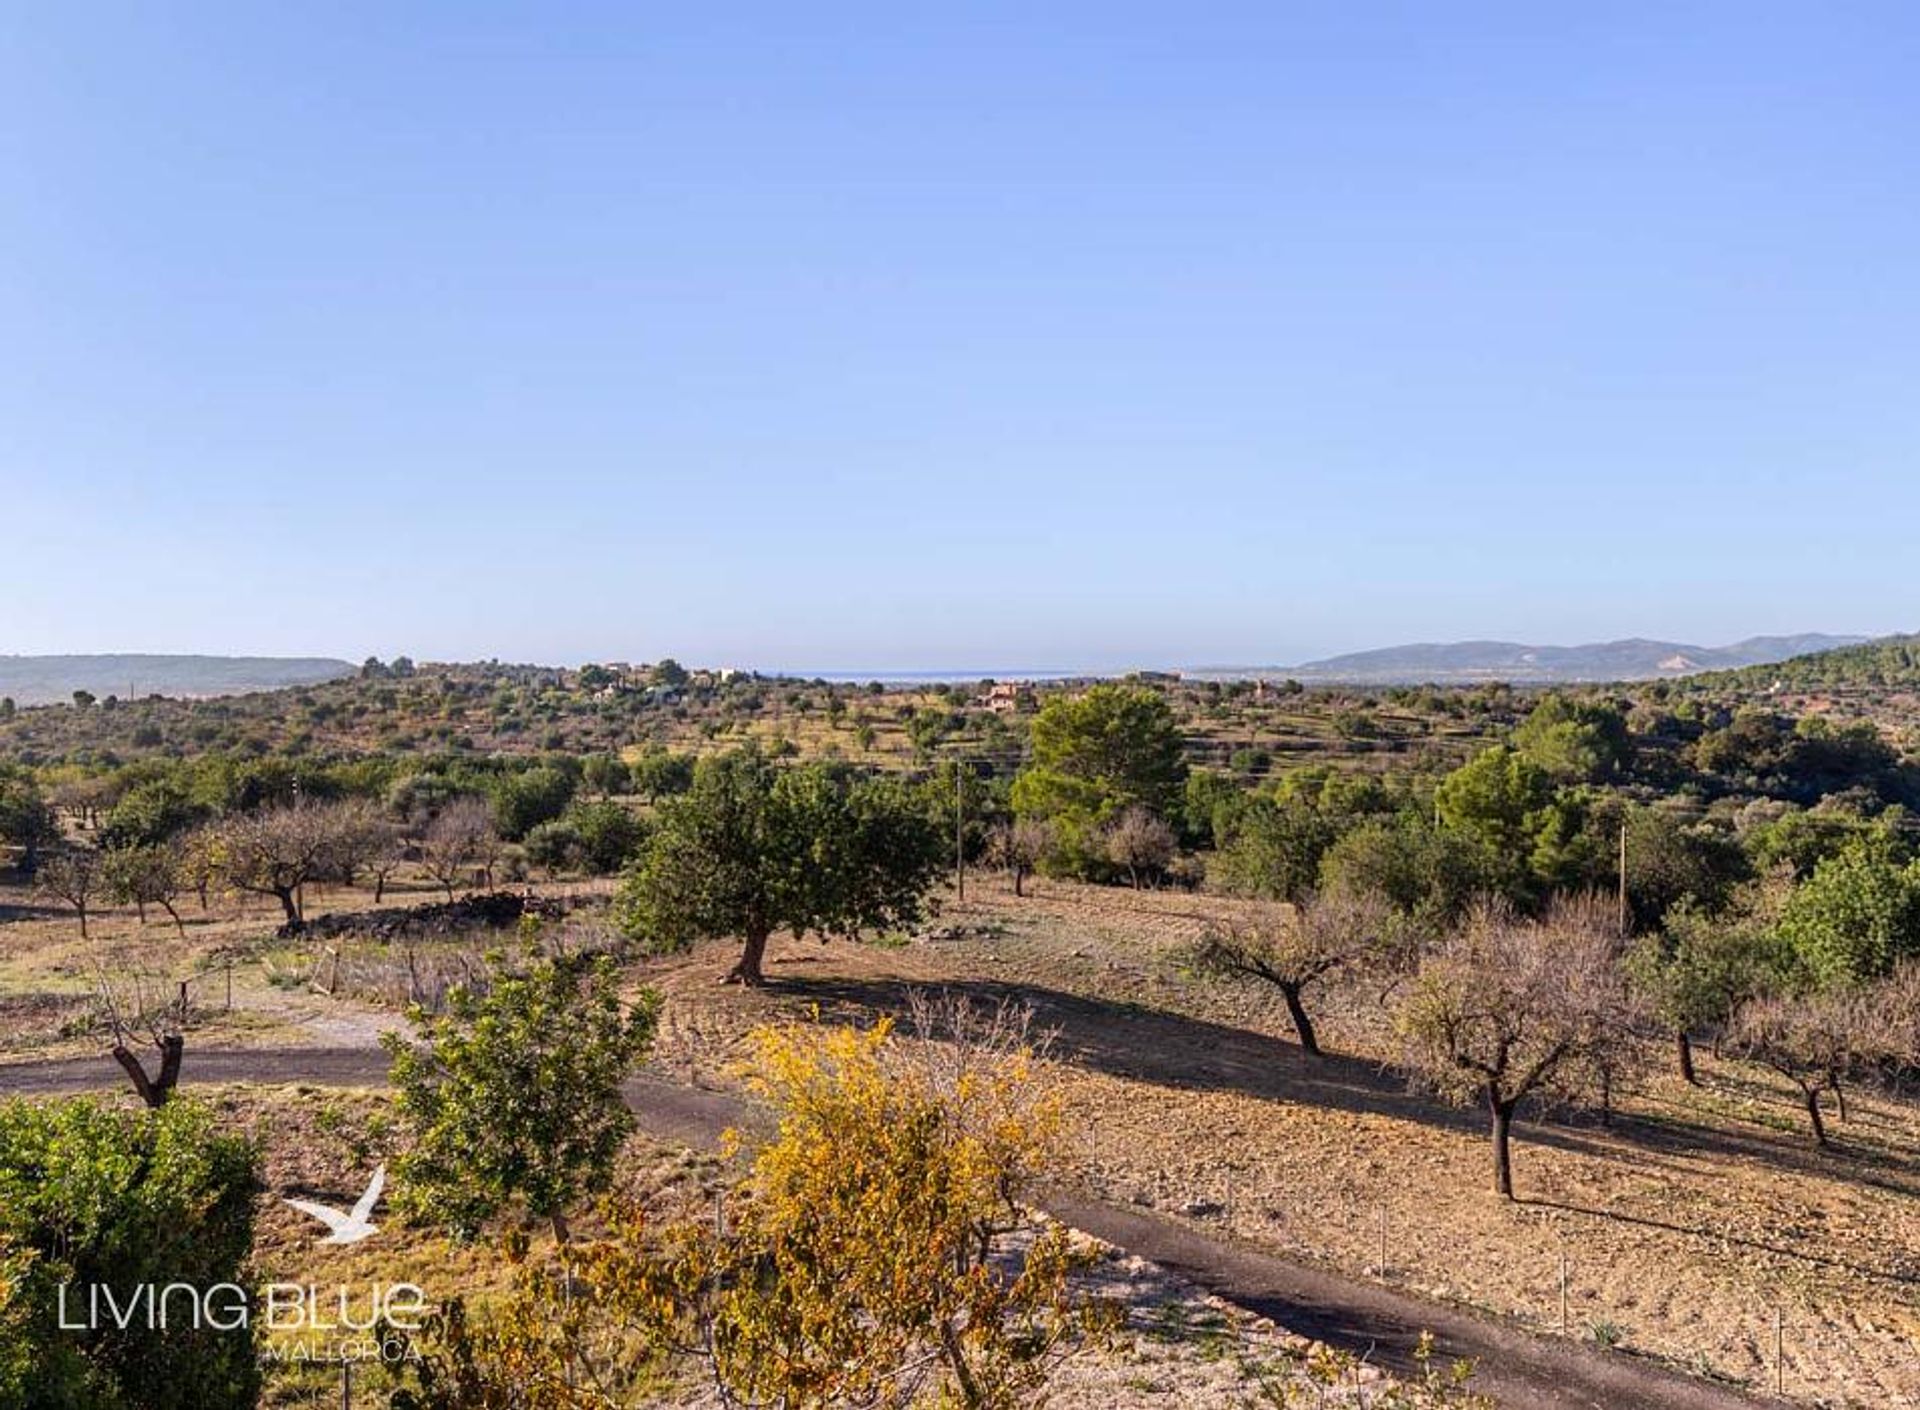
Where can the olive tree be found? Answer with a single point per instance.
(752, 848)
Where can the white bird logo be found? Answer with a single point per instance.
(347, 1228)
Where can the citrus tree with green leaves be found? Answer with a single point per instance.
(96, 1196)
(512, 1096)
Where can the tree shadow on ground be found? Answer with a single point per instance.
(1174, 1050)
(1721, 1236)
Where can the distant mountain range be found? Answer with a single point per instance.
(1465, 662)
(42, 680)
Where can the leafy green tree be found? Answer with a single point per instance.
(555, 846)
(669, 673)
(1211, 808)
(658, 774)
(1275, 850)
(149, 875)
(26, 821)
(1855, 917)
(150, 813)
(610, 836)
(1697, 972)
(1095, 756)
(1670, 861)
(753, 848)
(1492, 798)
(93, 1196)
(605, 774)
(512, 1097)
(1425, 873)
(1575, 741)
(522, 801)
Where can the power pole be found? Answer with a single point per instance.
(1623, 877)
(959, 833)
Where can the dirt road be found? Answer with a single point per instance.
(1517, 1369)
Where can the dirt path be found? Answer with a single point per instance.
(1519, 1370)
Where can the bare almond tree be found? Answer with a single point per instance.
(1815, 1041)
(1018, 847)
(365, 839)
(1140, 842)
(1294, 948)
(278, 851)
(73, 876)
(459, 841)
(1506, 1009)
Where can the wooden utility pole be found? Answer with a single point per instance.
(959, 833)
(1623, 878)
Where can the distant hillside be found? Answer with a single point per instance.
(1883, 661)
(42, 680)
(1465, 662)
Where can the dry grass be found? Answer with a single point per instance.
(1684, 1227)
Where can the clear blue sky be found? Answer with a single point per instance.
(1025, 335)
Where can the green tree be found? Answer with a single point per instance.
(1855, 917)
(94, 1196)
(610, 836)
(512, 1097)
(1095, 756)
(1427, 874)
(149, 875)
(26, 821)
(753, 848)
(555, 847)
(658, 774)
(1575, 741)
(1700, 969)
(605, 774)
(150, 812)
(1492, 798)
(1275, 850)
(522, 801)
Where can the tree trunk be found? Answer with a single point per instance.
(1502, 1136)
(284, 894)
(1302, 1025)
(562, 1232)
(1813, 1115)
(748, 970)
(154, 1091)
(178, 924)
(1019, 880)
(1683, 1047)
(1840, 1095)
